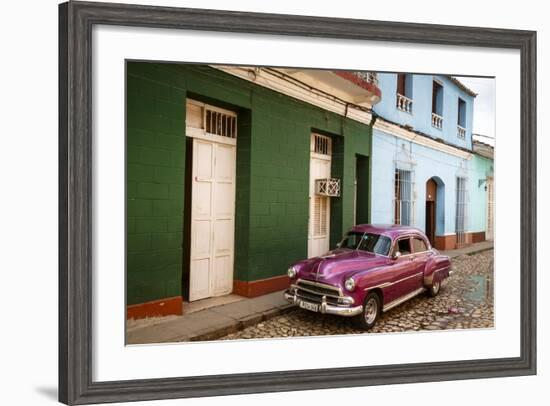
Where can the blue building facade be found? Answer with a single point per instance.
(425, 172)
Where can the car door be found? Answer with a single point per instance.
(421, 257)
(403, 273)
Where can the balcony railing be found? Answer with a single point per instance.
(404, 103)
(460, 132)
(437, 121)
(371, 77)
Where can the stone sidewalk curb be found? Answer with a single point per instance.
(213, 323)
(470, 250)
(241, 324)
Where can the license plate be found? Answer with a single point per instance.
(309, 306)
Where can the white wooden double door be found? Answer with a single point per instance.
(212, 217)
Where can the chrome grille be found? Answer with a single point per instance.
(315, 298)
(317, 289)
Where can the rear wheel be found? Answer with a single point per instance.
(434, 289)
(371, 311)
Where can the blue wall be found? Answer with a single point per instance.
(428, 163)
(421, 116)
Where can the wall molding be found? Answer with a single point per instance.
(400, 132)
(265, 78)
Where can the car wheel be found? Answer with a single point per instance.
(434, 289)
(371, 311)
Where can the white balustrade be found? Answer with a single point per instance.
(404, 103)
(460, 132)
(437, 121)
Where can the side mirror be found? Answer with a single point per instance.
(396, 255)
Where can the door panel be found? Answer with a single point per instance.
(204, 159)
(406, 274)
(199, 279)
(200, 238)
(202, 198)
(212, 219)
(223, 275)
(225, 162)
(399, 271)
(421, 257)
(319, 209)
(430, 221)
(224, 192)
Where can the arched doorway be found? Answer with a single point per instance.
(435, 209)
(431, 193)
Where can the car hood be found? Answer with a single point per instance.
(336, 265)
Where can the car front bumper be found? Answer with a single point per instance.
(323, 307)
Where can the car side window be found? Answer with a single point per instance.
(404, 246)
(419, 245)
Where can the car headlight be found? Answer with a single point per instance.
(291, 272)
(349, 284)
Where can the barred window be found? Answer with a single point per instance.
(321, 144)
(221, 123)
(210, 120)
(461, 210)
(403, 197)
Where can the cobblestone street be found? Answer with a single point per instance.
(465, 301)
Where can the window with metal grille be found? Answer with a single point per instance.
(321, 144)
(403, 197)
(220, 123)
(327, 187)
(461, 210)
(212, 120)
(320, 217)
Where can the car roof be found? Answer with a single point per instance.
(390, 230)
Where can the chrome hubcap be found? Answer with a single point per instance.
(435, 287)
(371, 310)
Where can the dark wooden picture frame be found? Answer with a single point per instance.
(76, 20)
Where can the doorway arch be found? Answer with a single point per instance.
(435, 208)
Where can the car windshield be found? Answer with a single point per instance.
(375, 243)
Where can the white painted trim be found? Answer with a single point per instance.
(400, 132)
(321, 156)
(203, 135)
(273, 82)
(210, 107)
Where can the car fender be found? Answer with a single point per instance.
(368, 280)
(437, 269)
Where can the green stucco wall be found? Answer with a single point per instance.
(481, 167)
(272, 173)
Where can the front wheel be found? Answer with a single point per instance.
(434, 289)
(371, 311)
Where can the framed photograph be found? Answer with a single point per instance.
(260, 202)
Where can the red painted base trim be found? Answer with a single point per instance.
(162, 307)
(448, 242)
(478, 237)
(260, 287)
(445, 242)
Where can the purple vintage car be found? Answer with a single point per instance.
(372, 270)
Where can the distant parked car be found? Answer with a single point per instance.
(372, 270)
